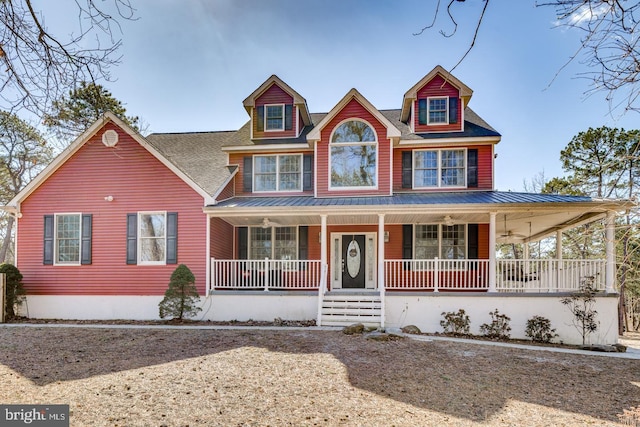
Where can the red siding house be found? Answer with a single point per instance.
(387, 217)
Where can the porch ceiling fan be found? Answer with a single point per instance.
(266, 223)
(509, 233)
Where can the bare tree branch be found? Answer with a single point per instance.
(38, 66)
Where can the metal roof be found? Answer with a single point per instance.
(440, 198)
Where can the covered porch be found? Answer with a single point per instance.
(360, 251)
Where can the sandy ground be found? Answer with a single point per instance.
(142, 377)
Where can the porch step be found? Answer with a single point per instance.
(347, 309)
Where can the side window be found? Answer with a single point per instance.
(152, 238)
(67, 239)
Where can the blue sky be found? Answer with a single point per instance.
(188, 65)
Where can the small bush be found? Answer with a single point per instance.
(498, 328)
(582, 306)
(539, 329)
(15, 294)
(182, 296)
(455, 323)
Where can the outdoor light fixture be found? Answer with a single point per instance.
(109, 198)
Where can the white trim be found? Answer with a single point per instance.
(452, 141)
(282, 108)
(207, 280)
(446, 111)
(226, 182)
(277, 189)
(392, 131)
(139, 238)
(267, 148)
(331, 144)
(55, 240)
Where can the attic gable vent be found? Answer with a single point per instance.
(110, 138)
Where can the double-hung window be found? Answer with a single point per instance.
(278, 243)
(152, 235)
(277, 173)
(440, 241)
(438, 111)
(67, 238)
(439, 168)
(152, 238)
(274, 117)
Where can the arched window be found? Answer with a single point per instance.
(354, 155)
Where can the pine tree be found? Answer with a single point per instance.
(182, 296)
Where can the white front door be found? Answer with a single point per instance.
(353, 261)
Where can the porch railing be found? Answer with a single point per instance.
(436, 274)
(548, 275)
(532, 275)
(265, 274)
(512, 275)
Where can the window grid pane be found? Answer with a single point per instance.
(453, 168)
(265, 173)
(68, 238)
(290, 176)
(425, 169)
(286, 243)
(274, 115)
(260, 243)
(438, 110)
(453, 242)
(426, 241)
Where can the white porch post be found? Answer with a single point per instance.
(492, 252)
(559, 276)
(610, 269)
(381, 284)
(322, 288)
(208, 256)
(323, 240)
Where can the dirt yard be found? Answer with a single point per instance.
(142, 377)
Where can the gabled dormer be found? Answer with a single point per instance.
(276, 110)
(436, 103)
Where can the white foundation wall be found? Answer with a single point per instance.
(239, 306)
(425, 312)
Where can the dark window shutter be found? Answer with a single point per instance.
(407, 169)
(453, 110)
(307, 172)
(472, 245)
(422, 111)
(303, 242)
(260, 118)
(288, 117)
(472, 239)
(472, 168)
(407, 244)
(243, 243)
(247, 175)
(85, 247)
(172, 237)
(132, 238)
(47, 257)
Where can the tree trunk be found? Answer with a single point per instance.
(7, 240)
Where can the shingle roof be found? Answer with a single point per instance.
(199, 155)
(452, 198)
